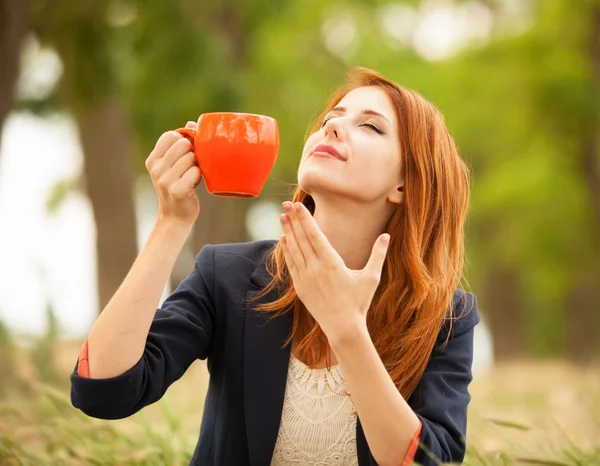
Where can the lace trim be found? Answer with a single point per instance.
(318, 425)
(309, 377)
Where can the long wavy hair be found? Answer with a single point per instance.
(425, 258)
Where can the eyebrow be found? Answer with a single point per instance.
(364, 112)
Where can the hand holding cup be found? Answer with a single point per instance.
(175, 174)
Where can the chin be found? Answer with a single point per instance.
(313, 183)
(319, 185)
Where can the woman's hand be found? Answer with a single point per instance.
(337, 297)
(175, 174)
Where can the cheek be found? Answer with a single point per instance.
(308, 145)
(310, 142)
(377, 169)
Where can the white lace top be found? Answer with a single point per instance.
(318, 424)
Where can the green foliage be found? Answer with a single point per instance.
(8, 364)
(41, 427)
(65, 436)
(78, 30)
(60, 191)
(44, 351)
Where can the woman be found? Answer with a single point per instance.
(346, 342)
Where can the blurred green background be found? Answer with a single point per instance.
(86, 88)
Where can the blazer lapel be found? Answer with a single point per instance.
(264, 371)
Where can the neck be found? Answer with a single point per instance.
(352, 228)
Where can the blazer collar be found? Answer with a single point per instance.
(260, 277)
(264, 370)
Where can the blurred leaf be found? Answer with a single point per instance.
(60, 191)
(543, 462)
(508, 424)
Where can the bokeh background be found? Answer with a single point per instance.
(87, 86)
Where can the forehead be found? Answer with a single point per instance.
(369, 98)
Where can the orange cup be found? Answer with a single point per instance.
(235, 151)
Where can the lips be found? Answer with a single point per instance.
(325, 150)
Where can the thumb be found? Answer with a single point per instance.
(377, 259)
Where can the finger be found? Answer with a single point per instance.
(303, 241)
(291, 265)
(165, 141)
(295, 252)
(192, 177)
(190, 125)
(177, 150)
(185, 185)
(182, 165)
(375, 264)
(316, 237)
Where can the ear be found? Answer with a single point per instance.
(396, 195)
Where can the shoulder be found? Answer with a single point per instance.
(464, 306)
(231, 254)
(463, 315)
(229, 261)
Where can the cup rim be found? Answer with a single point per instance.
(237, 113)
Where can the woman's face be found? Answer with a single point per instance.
(356, 152)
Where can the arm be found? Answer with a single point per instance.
(390, 425)
(117, 339)
(437, 410)
(180, 332)
(131, 353)
(442, 395)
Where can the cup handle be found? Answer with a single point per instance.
(188, 133)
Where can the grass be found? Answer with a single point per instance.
(529, 412)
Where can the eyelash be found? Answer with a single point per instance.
(373, 127)
(370, 125)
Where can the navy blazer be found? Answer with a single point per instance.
(208, 317)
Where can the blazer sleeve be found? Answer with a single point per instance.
(180, 333)
(442, 397)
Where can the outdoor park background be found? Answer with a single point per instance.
(86, 88)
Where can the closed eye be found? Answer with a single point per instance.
(370, 125)
(373, 127)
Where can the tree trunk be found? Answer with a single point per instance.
(222, 220)
(583, 308)
(583, 311)
(590, 160)
(183, 265)
(13, 27)
(501, 300)
(104, 134)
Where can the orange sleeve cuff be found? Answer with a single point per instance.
(412, 449)
(83, 368)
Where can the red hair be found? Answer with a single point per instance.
(425, 259)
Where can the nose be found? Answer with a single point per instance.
(334, 128)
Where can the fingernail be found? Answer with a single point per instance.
(288, 206)
(385, 239)
(284, 218)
